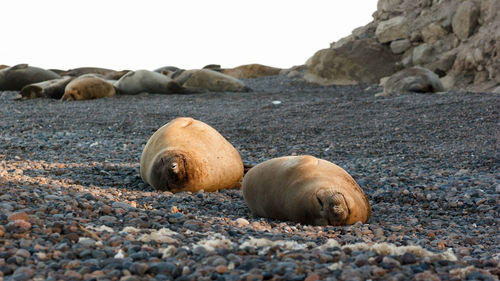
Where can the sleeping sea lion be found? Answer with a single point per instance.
(189, 155)
(415, 79)
(210, 80)
(145, 81)
(251, 71)
(53, 89)
(305, 189)
(87, 87)
(14, 78)
(105, 73)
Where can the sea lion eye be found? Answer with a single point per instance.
(319, 201)
(174, 166)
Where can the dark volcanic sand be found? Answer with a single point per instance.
(70, 189)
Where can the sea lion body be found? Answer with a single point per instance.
(305, 189)
(189, 155)
(251, 71)
(415, 79)
(87, 87)
(145, 81)
(16, 77)
(210, 80)
(47, 89)
(107, 74)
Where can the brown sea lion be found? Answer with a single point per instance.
(2, 66)
(189, 155)
(87, 87)
(14, 78)
(210, 80)
(251, 71)
(53, 89)
(305, 189)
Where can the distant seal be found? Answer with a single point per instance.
(189, 155)
(140, 81)
(53, 89)
(105, 73)
(2, 66)
(251, 71)
(87, 87)
(414, 79)
(210, 80)
(14, 78)
(305, 189)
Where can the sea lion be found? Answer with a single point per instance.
(189, 155)
(14, 78)
(107, 74)
(414, 79)
(53, 89)
(210, 80)
(140, 81)
(251, 71)
(305, 189)
(87, 87)
(2, 66)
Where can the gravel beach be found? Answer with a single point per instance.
(73, 206)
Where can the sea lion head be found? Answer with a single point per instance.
(333, 207)
(169, 171)
(30, 92)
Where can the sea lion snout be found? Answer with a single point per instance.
(333, 207)
(169, 172)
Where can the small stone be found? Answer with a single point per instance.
(23, 273)
(400, 46)
(408, 258)
(241, 222)
(73, 275)
(313, 277)
(427, 276)
(221, 269)
(23, 253)
(19, 216)
(255, 277)
(139, 268)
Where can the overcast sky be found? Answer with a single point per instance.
(147, 34)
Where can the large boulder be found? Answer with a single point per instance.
(358, 61)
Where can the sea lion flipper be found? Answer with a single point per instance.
(333, 206)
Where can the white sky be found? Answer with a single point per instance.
(148, 34)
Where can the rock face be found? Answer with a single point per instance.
(457, 40)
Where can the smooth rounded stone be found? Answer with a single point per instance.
(241, 222)
(23, 273)
(407, 258)
(139, 268)
(122, 205)
(108, 220)
(19, 216)
(349, 273)
(73, 275)
(141, 255)
(99, 254)
(86, 242)
(166, 268)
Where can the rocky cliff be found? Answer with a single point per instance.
(458, 40)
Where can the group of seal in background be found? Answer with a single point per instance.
(189, 155)
(93, 82)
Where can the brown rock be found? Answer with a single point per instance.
(433, 32)
(19, 216)
(360, 61)
(392, 29)
(465, 19)
(313, 277)
(221, 269)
